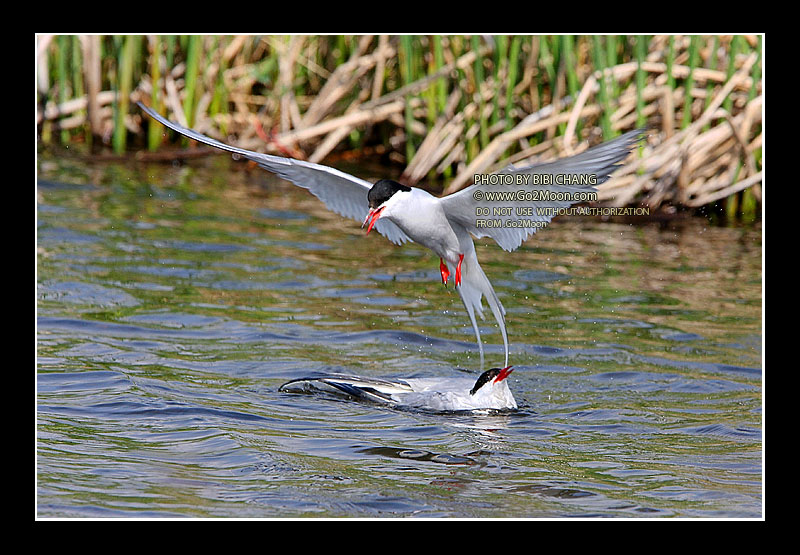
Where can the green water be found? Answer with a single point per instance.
(173, 300)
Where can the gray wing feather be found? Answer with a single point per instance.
(342, 193)
(600, 161)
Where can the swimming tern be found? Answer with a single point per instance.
(527, 199)
(490, 391)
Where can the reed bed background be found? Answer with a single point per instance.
(443, 107)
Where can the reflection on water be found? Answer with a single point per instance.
(174, 300)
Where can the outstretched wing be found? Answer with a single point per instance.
(542, 196)
(342, 193)
(367, 389)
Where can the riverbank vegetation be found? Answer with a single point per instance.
(444, 108)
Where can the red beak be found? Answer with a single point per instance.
(372, 217)
(503, 374)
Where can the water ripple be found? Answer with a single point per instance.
(172, 303)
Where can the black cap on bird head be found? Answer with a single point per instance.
(494, 375)
(383, 190)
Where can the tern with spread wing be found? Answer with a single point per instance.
(489, 391)
(446, 225)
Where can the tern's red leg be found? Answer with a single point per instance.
(458, 269)
(444, 270)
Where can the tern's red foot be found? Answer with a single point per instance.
(444, 270)
(458, 269)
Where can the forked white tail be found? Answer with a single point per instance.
(474, 285)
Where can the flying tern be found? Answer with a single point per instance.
(527, 197)
(490, 391)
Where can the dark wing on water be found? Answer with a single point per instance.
(366, 389)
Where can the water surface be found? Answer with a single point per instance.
(173, 300)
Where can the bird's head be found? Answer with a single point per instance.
(490, 379)
(380, 197)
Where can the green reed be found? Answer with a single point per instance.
(694, 57)
(153, 132)
(193, 84)
(124, 86)
(599, 58)
(407, 75)
(61, 72)
(641, 53)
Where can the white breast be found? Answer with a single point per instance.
(453, 394)
(420, 215)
